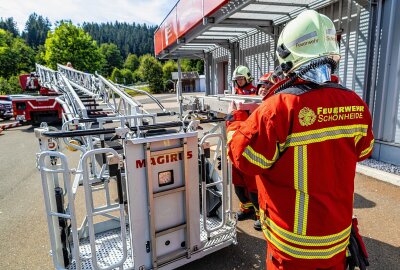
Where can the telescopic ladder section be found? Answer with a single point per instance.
(87, 81)
(49, 78)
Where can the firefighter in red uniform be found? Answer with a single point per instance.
(264, 84)
(244, 185)
(242, 82)
(303, 142)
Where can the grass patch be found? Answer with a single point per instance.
(140, 87)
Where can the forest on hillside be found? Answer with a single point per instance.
(129, 38)
(121, 51)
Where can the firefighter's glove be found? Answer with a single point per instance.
(237, 115)
(358, 252)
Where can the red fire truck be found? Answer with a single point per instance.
(37, 108)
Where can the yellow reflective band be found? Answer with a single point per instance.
(301, 186)
(324, 134)
(357, 139)
(246, 205)
(302, 253)
(258, 159)
(367, 150)
(229, 135)
(303, 240)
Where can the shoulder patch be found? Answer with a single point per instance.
(307, 116)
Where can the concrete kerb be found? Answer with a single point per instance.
(391, 178)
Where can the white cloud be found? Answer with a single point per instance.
(139, 11)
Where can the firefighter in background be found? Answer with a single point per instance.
(242, 82)
(244, 185)
(32, 82)
(264, 84)
(303, 142)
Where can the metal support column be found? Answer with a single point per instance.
(375, 11)
(207, 73)
(355, 63)
(346, 57)
(383, 121)
(213, 75)
(179, 90)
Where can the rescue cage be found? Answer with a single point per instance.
(164, 215)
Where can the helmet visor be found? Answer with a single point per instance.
(318, 75)
(240, 77)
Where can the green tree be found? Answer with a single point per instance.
(8, 61)
(26, 56)
(15, 55)
(130, 38)
(186, 65)
(116, 76)
(10, 26)
(169, 67)
(10, 86)
(127, 76)
(192, 65)
(69, 43)
(137, 76)
(36, 29)
(112, 55)
(151, 72)
(39, 58)
(132, 62)
(200, 67)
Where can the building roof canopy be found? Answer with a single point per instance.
(190, 30)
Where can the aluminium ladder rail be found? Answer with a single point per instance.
(183, 149)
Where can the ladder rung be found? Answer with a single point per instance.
(94, 110)
(170, 230)
(169, 191)
(106, 210)
(60, 215)
(98, 115)
(173, 255)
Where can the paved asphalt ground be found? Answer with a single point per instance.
(24, 242)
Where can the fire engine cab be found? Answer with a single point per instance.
(38, 108)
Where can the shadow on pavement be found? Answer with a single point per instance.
(28, 129)
(248, 254)
(382, 255)
(361, 202)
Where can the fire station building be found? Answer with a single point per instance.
(227, 33)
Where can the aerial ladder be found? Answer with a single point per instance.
(153, 194)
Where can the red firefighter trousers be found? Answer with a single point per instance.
(273, 262)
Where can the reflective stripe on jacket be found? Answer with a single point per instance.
(304, 149)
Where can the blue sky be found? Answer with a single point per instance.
(140, 11)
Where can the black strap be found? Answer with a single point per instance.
(300, 89)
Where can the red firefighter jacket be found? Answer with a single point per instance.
(248, 89)
(304, 144)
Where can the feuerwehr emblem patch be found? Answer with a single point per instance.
(307, 117)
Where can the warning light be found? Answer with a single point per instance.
(165, 178)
